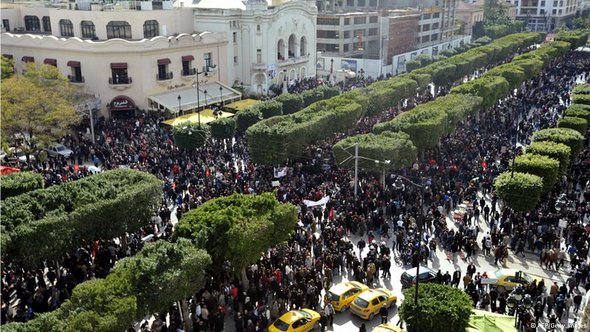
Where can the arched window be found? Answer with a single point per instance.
(46, 24)
(303, 46)
(150, 29)
(88, 29)
(32, 23)
(281, 50)
(118, 29)
(66, 28)
(292, 46)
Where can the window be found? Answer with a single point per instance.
(350, 3)
(554, 11)
(88, 29)
(372, 3)
(150, 29)
(76, 72)
(360, 20)
(425, 39)
(187, 65)
(559, 12)
(328, 21)
(303, 46)
(163, 73)
(561, 3)
(346, 47)
(46, 24)
(373, 32)
(32, 23)
(434, 37)
(554, 3)
(257, 27)
(435, 26)
(426, 16)
(208, 60)
(119, 74)
(360, 3)
(542, 12)
(436, 15)
(426, 27)
(6, 25)
(346, 21)
(235, 37)
(373, 19)
(542, 3)
(346, 34)
(66, 28)
(235, 60)
(118, 29)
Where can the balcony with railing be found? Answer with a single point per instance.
(120, 83)
(164, 76)
(293, 61)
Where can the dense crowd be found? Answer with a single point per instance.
(387, 220)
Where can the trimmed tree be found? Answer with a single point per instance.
(291, 102)
(223, 127)
(578, 111)
(395, 147)
(567, 136)
(578, 124)
(557, 151)
(19, 183)
(440, 308)
(238, 228)
(270, 108)
(540, 165)
(519, 191)
(247, 117)
(188, 135)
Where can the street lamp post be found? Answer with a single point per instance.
(179, 99)
(205, 93)
(220, 96)
(91, 115)
(196, 85)
(331, 71)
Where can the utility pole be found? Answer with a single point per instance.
(356, 169)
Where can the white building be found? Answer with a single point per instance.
(152, 55)
(544, 15)
(267, 40)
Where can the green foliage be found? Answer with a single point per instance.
(247, 117)
(483, 40)
(270, 108)
(489, 88)
(238, 228)
(46, 223)
(223, 127)
(579, 111)
(291, 102)
(519, 191)
(578, 124)
(581, 89)
(328, 92)
(388, 93)
(576, 38)
(413, 65)
(440, 308)
(567, 136)
(188, 135)
(279, 138)
(7, 67)
(513, 73)
(583, 99)
(540, 165)
(149, 282)
(428, 123)
(19, 183)
(557, 151)
(395, 147)
(311, 96)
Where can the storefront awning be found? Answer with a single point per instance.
(28, 59)
(188, 97)
(52, 62)
(164, 61)
(73, 63)
(119, 65)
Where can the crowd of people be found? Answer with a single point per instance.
(386, 219)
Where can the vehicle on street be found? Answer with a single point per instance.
(408, 278)
(18, 155)
(342, 294)
(58, 150)
(508, 279)
(387, 327)
(368, 303)
(296, 321)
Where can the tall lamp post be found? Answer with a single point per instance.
(205, 93)
(196, 85)
(179, 99)
(221, 96)
(331, 71)
(91, 115)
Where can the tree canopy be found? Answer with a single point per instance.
(37, 107)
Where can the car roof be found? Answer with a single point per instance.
(423, 269)
(370, 294)
(291, 316)
(342, 287)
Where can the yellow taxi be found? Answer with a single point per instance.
(295, 321)
(507, 279)
(342, 294)
(368, 303)
(386, 328)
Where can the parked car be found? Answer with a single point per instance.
(342, 294)
(368, 303)
(296, 321)
(508, 279)
(18, 155)
(386, 327)
(408, 278)
(58, 150)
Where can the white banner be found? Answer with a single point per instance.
(322, 201)
(280, 172)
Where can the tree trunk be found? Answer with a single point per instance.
(188, 322)
(244, 278)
